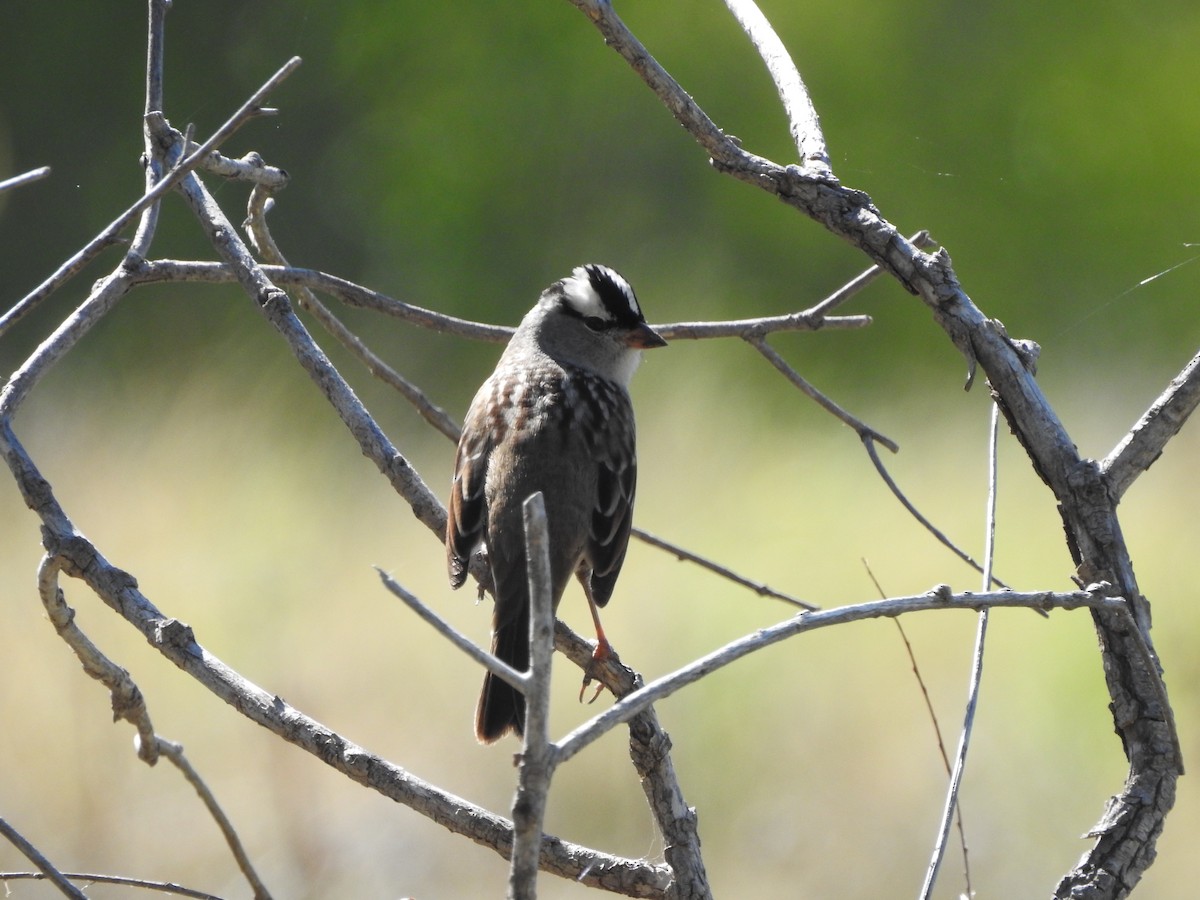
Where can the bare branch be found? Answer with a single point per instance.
(496, 666)
(803, 121)
(156, 54)
(1144, 443)
(746, 328)
(964, 741)
(683, 555)
(347, 291)
(940, 598)
(162, 887)
(128, 703)
(174, 752)
(25, 178)
(109, 236)
(537, 756)
(127, 700)
(251, 168)
(57, 878)
(916, 513)
(863, 430)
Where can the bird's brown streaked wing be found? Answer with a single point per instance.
(467, 511)
(612, 514)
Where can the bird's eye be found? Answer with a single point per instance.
(595, 323)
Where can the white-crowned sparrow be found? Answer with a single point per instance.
(555, 417)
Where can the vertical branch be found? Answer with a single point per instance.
(960, 759)
(155, 53)
(538, 755)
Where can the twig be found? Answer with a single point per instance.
(264, 242)
(937, 728)
(537, 756)
(127, 700)
(106, 238)
(250, 168)
(680, 553)
(964, 741)
(162, 887)
(25, 178)
(939, 598)
(174, 752)
(863, 430)
(798, 321)
(128, 703)
(496, 666)
(916, 513)
(1144, 443)
(156, 38)
(921, 239)
(802, 116)
(274, 304)
(35, 856)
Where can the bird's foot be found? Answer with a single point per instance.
(602, 652)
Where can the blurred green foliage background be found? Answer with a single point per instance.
(462, 156)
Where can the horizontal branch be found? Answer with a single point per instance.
(161, 887)
(939, 598)
(356, 295)
(743, 328)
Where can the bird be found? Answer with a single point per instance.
(555, 416)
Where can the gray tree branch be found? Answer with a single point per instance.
(1134, 816)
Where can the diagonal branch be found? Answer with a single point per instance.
(110, 235)
(264, 242)
(35, 856)
(863, 430)
(803, 121)
(1144, 443)
(916, 513)
(493, 664)
(763, 590)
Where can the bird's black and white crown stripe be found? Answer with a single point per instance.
(596, 291)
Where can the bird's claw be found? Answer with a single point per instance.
(587, 679)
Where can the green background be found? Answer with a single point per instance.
(462, 156)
